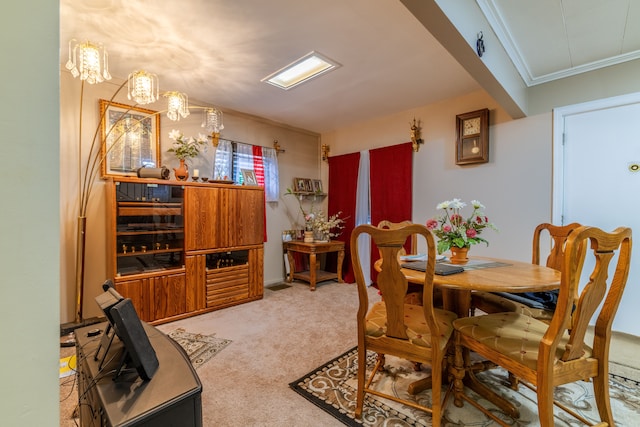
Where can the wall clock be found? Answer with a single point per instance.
(472, 137)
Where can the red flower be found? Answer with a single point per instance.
(471, 232)
(432, 224)
(456, 219)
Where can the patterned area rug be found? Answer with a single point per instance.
(199, 348)
(332, 387)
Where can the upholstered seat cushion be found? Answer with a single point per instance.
(512, 334)
(417, 330)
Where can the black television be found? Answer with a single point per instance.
(138, 351)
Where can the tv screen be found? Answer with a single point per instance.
(139, 351)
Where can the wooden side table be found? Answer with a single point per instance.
(314, 274)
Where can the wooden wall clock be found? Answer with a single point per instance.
(472, 137)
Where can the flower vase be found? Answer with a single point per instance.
(320, 236)
(308, 236)
(459, 255)
(182, 172)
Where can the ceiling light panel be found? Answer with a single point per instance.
(302, 70)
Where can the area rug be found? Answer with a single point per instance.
(199, 348)
(332, 387)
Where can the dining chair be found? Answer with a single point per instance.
(539, 305)
(414, 292)
(392, 327)
(546, 355)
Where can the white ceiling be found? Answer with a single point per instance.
(217, 51)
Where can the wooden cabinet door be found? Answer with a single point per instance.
(223, 217)
(138, 291)
(169, 296)
(248, 218)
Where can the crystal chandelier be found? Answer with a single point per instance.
(212, 122)
(85, 62)
(177, 105)
(142, 87)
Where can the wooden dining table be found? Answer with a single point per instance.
(490, 275)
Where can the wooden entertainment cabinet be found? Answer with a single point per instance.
(179, 249)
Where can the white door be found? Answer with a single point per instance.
(597, 179)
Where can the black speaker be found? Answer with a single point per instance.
(138, 349)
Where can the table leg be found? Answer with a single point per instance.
(312, 271)
(340, 260)
(292, 265)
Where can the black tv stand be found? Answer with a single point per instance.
(171, 398)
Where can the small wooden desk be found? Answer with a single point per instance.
(314, 274)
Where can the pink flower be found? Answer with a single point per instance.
(432, 224)
(479, 219)
(471, 232)
(446, 228)
(456, 219)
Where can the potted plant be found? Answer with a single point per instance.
(184, 149)
(456, 233)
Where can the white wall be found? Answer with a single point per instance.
(301, 159)
(515, 185)
(29, 261)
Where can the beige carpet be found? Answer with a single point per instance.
(333, 388)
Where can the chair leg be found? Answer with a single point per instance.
(601, 392)
(362, 373)
(513, 382)
(544, 393)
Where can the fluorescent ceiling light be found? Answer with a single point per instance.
(304, 69)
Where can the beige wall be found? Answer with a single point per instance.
(301, 159)
(515, 185)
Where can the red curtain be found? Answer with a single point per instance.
(391, 189)
(258, 168)
(343, 183)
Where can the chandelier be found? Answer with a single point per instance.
(84, 62)
(142, 87)
(177, 105)
(212, 122)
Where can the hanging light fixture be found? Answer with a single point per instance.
(142, 87)
(212, 122)
(84, 62)
(177, 105)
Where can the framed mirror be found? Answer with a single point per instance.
(130, 139)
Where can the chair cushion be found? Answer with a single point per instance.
(515, 335)
(417, 330)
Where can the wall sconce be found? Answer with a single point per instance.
(416, 138)
(277, 147)
(325, 152)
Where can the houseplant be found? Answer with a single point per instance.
(457, 233)
(185, 148)
(316, 224)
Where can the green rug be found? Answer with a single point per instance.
(199, 348)
(332, 387)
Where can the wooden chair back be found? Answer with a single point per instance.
(576, 306)
(413, 245)
(392, 283)
(558, 235)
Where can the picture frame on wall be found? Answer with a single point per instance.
(130, 139)
(317, 186)
(300, 185)
(249, 177)
(308, 185)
